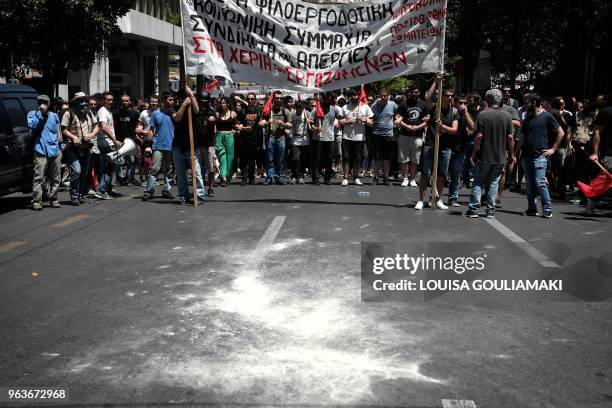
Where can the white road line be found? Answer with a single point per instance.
(270, 235)
(530, 250)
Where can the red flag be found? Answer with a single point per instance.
(268, 106)
(212, 85)
(598, 187)
(363, 98)
(319, 113)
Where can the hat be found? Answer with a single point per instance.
(79, 95)
(43, 98)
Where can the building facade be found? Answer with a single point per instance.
(138, 62)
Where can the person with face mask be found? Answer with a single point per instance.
(79, 129)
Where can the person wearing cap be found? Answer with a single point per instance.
(79, 129)
(44, 125)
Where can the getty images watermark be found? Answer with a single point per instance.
(472, 271)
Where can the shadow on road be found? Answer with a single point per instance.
(290, 201)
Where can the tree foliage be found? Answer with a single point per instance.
(525, 36)
(55, 35)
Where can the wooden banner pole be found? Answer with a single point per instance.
(434, 178)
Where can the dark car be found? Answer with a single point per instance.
(16, 141)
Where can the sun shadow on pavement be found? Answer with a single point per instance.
(290, 201)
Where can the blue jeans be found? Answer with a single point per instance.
(78, 160)
(455, 168)
(535, 179)
(487, 176)
(161, 161)
(182, 162)
(107, 167)
(275, 151)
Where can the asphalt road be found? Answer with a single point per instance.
(254, 298)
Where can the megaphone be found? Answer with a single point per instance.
(128, 149)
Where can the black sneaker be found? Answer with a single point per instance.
(252, 182)
(316, 182)
(547, 214)
(490, 215)
(147, 196)
(168, 195)
(327, 182)
(223, 183)
(498, 204)
(471, 213)
(374, 181)
(75, 202)
(280, 181)
(531, 212)
(243, 182)
(211, 193)
(387, 182)
(82, 200)
(185, 201)
(267, 182)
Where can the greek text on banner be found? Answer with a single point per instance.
(313, 45)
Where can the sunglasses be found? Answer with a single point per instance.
(448, 96)
(462, 103)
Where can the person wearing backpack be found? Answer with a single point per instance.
(79, 129)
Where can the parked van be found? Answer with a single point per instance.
(16, 141)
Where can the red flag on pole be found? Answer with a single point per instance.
(319, 113)
(212, 85)
(363, 98)
(598, 187)
(268, 106)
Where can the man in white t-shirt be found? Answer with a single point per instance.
(356, 118)
(105, 142)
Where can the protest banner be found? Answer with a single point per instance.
(313, 46)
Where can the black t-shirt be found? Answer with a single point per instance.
(249, 117)
(125, 123)
(448, 117)
(181, 132)
(412, 113)
(204, 129)
(604, 119)
(536, 131)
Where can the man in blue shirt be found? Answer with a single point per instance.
(44, 125)
(161, 126)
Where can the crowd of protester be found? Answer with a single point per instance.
(485, 144)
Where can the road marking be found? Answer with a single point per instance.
(447, 403)
(529, 249)
(270, 235)
(71, 220)
(9, 246)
